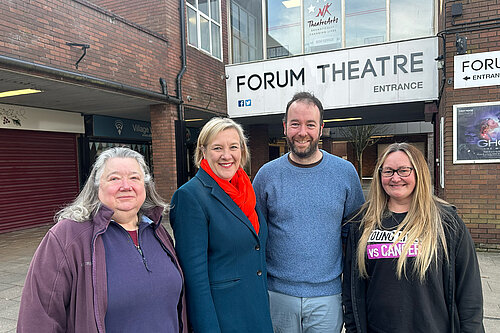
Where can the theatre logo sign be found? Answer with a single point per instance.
(381, 74)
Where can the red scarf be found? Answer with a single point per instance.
(240, 190)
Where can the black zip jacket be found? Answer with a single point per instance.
(461, 279)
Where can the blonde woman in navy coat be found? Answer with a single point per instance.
(220, 237)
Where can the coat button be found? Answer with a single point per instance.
(259, 272)
(257, 247)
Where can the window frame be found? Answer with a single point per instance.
(241, 39)
(265, 13)
(200, 15)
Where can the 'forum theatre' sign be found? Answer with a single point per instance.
(381, 74)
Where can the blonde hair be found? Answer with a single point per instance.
(214, 127)
(423, 221)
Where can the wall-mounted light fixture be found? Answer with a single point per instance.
(163, 85)
(84, 49)
(461, 44)
(456, 10)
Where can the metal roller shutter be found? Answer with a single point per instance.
(38, 175)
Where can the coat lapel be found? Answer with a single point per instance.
(225, 199)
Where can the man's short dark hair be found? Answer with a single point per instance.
(306, 97)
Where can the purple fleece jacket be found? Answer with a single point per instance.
(66, 285)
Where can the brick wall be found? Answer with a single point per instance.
(473, 188)
(339, 149)
(37, 31)
(370, 157)
(259, 147)
(327, 144)
(203, 80)
(151, 14)
(163, 129)
(204, 83)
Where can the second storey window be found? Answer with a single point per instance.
(204, 26)
(267, 29)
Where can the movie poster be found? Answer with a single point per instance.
(476, 133)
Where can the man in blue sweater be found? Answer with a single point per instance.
(305, 195)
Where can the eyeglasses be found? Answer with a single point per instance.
(402, 172)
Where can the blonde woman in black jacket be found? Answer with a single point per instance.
(410, 263)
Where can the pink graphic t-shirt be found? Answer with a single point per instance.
(401, 304)
(381, 245)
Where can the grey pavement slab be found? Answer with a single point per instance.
(7, 325)
(489, 265)
(17, 248)
(16, 251)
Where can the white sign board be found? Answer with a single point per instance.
(380, 74)
(27, 118)
(322, 25)
(477, 70)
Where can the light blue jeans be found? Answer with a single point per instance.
(292, 314)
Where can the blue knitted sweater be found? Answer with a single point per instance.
(304, 208)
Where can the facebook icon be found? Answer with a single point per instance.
(241, 103)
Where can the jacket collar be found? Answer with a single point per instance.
(104, 214)
(224, 198)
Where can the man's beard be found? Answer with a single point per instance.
(306, 153)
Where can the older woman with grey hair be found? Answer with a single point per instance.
(108, 265)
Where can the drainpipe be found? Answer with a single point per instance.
(180, 128)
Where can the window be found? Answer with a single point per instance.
(266, 29)
(284, 28)
(246, 29)
(410, 19)
(204, 26)
(365, 22)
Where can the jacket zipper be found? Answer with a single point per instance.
(138, 247)
(94, 280)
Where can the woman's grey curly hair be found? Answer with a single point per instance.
(87, 203)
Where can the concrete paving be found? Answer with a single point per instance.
(17, 248)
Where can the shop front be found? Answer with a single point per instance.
(394, 85)
(38, 164)
(102, 132)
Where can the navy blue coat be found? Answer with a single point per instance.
(222, 258)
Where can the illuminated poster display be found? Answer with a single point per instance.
(476, 133)
(322, 25)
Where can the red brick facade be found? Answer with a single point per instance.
(203, 80)
(473, 188)
(203, 85)
(37, 31)
(259, 139)
(132, 42)
(163, 117)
